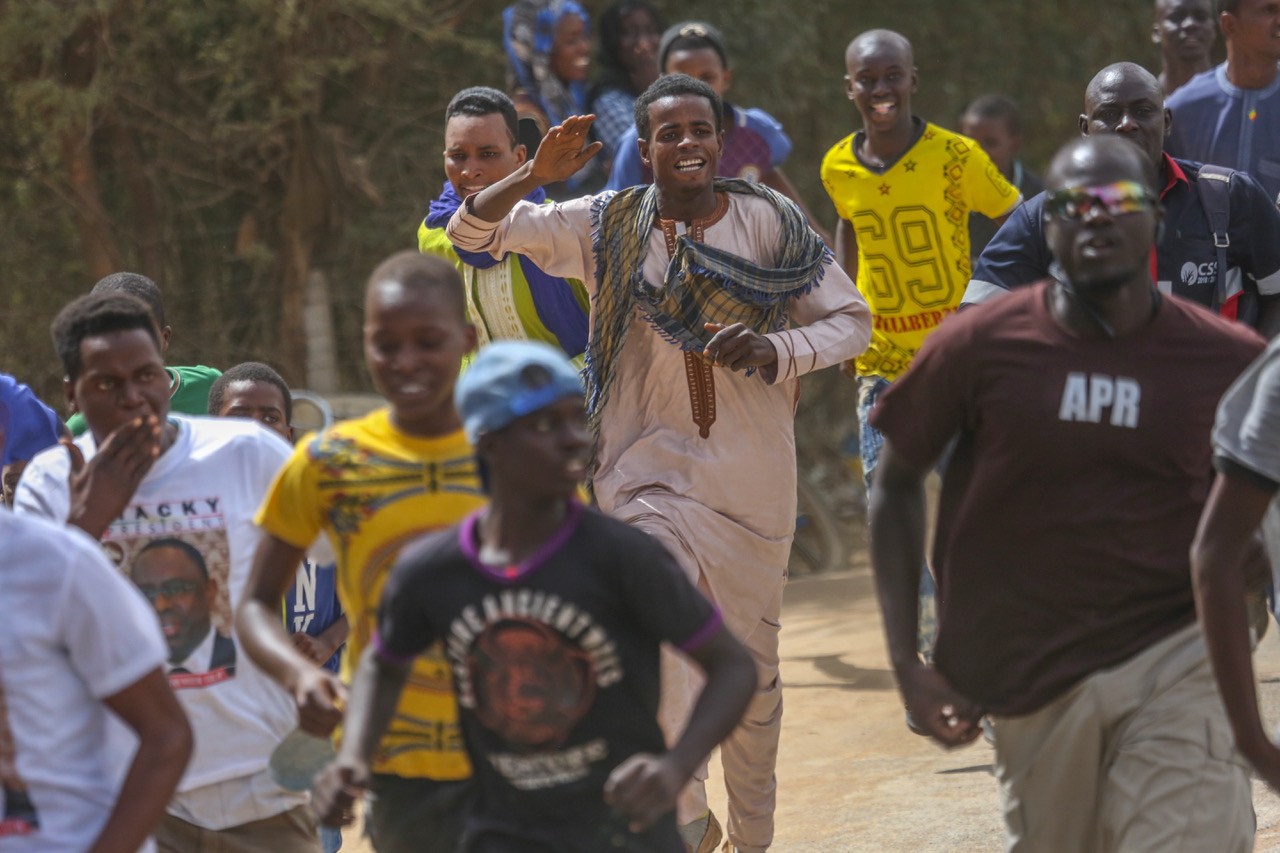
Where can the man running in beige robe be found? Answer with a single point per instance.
(709, 299)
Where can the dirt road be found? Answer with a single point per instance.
(850, 775)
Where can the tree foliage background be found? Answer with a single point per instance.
(228, 148)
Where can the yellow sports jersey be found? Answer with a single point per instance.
(372, 489)
(912, 227)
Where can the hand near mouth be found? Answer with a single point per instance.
(564, 150)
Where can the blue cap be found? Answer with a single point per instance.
(509, 380)
(27, 425)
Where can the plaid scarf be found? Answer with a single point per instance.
(702, 284)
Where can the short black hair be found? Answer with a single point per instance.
(178, 545)
(249, 371)
(98, 314)
(1107, 146)
(415, 270)
(691, 35)
(1231, 6)
(484, 101)
(135, 285)
(996, 108)
(672, 86)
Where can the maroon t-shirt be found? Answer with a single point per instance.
(1070, 502)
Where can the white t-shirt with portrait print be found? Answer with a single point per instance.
(73, 633)
(202, 491)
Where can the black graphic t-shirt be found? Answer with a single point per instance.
(555, 664)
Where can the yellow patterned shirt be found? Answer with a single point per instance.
(912, 227)
(371, 489)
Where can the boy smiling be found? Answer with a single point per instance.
(707, 464)
(553, 615)
(508, 298)
(372, 485)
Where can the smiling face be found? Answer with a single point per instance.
(1127, 101)
(684, 149)
(571, 52)
(1184, 29)
(479, 152)
(258, 401)
(181, 595)
(121, 378)
(1100, 246)
(414, 342)
(880, 80)
(543, 453)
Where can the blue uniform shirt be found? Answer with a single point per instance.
(312, 605)
(1186, 261)
(1216, 122)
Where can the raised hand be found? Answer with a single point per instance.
(564, 150)
(102, 487)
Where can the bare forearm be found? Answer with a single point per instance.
(897, 515)
(1220, 601)
(262, 633)
(731, 682)
(336, 634)
(375, 692)
(846, 248)
(157, 767)
(493, 203)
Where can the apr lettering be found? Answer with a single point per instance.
(1087, 397)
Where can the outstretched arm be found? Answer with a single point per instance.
(375, 692)
(262, 633)
(1219, 558)
(564, 150)
(644, 787)
(897, 509)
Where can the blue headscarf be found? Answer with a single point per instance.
(528, 34)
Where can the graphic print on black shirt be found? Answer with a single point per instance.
(555, 661)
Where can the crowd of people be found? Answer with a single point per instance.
(516, 608)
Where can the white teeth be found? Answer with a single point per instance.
(412, 389)
(689, 165)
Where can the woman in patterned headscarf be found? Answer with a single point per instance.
(548, 52)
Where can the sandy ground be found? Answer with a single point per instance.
(850, 775)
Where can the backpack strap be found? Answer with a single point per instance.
(1214, 183)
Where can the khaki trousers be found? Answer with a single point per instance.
(289, 832)
(750, 754)
(1133, 759)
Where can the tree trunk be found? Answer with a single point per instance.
(101, 254)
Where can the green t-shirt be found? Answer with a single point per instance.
(188, 393)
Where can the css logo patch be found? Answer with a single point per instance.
(1193, 273)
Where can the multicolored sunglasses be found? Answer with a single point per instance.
(1116, 199)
